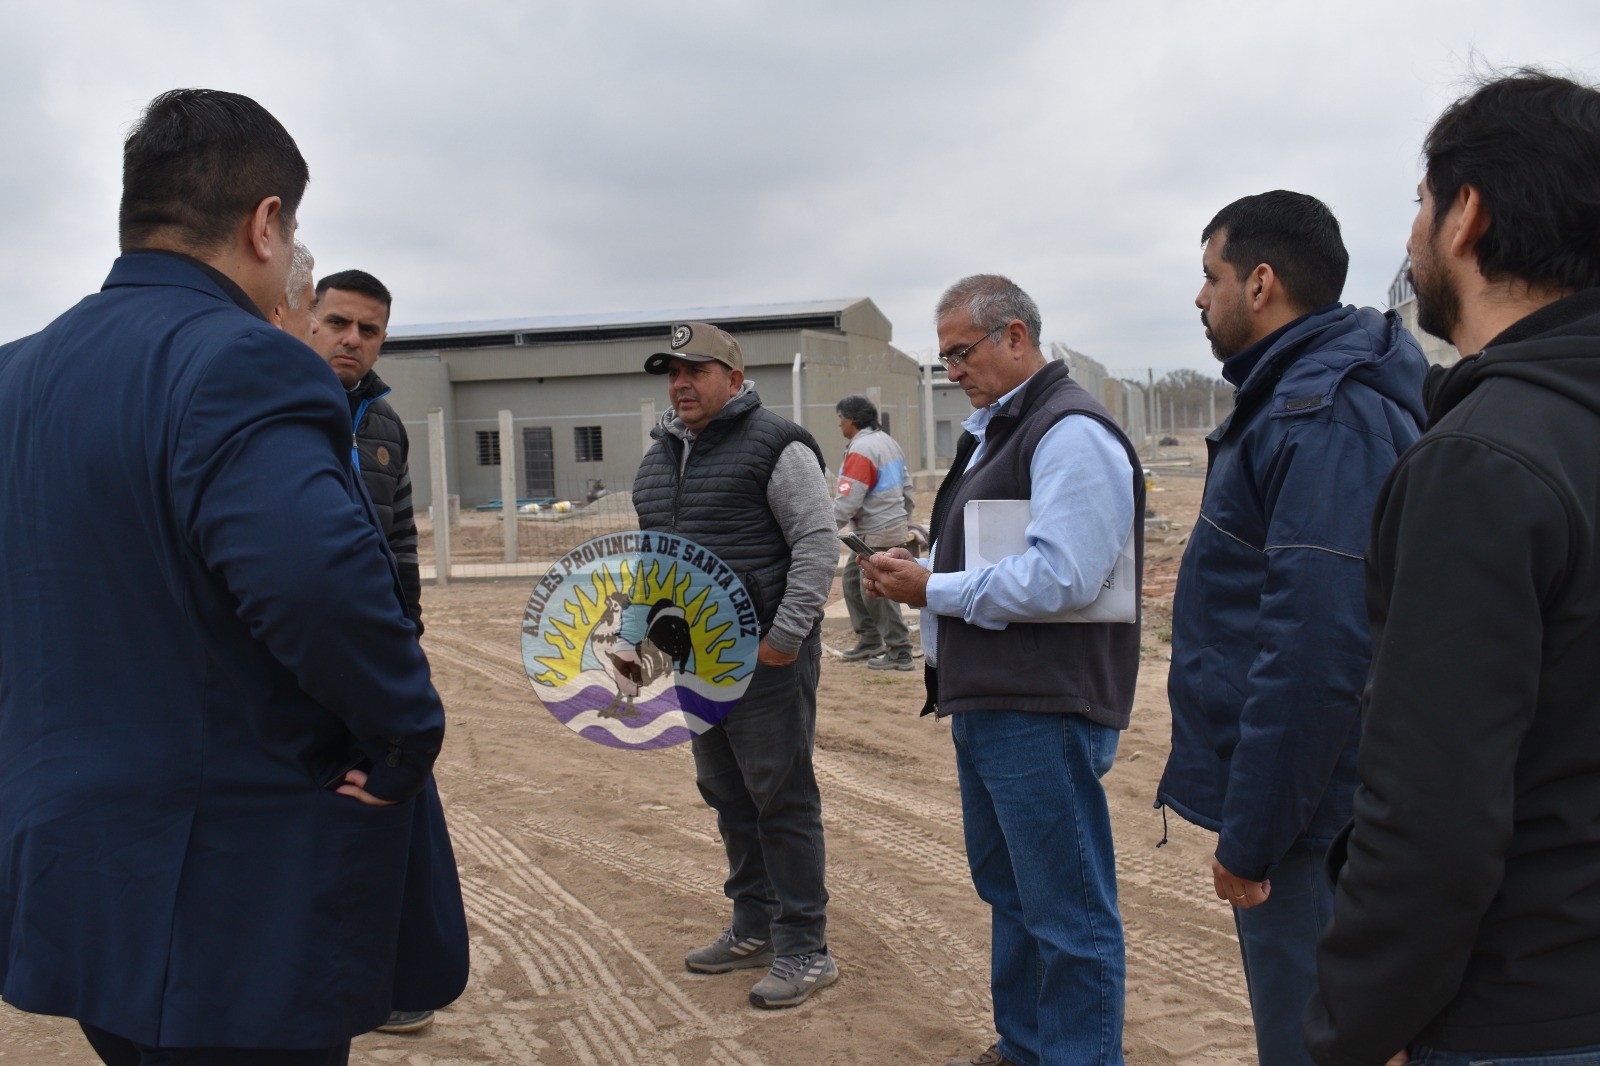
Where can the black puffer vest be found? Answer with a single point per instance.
(381, 440)
(1049, 667)
(720, 502)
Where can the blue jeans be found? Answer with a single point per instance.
(754, 768)
(1578, 1056)
(1039, 844)
(1278, 942)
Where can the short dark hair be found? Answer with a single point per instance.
(1295, 234)
(198, 160)
(858, 409)
(1529, 142)
(356, 281)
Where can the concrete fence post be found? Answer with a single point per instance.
(647, 422)
(441, 496)
(797, 397)
(508, 486)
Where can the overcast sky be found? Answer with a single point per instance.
(499, 159)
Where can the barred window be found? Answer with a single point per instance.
(586, 442)
(488, 448)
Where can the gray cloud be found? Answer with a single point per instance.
(505, 158)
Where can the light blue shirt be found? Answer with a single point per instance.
(1080, 515)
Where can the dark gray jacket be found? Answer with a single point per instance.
(382, 452)
(720, 499)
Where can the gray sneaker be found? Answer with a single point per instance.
(729, 952)
(861, 651)
(891, 660)
(406, 1021)
(792, 979)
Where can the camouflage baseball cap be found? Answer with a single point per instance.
(697, 342)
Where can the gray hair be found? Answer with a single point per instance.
(859, 410)
(990, 301)
(301, 273)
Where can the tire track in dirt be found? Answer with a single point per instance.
(587, 972)
(480, 658)
(1169, 947)
(1199, 944)
(920, 941)
(884, 817)
(893, 835)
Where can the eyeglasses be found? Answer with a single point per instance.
(955, 359)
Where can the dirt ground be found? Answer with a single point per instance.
(588, 871)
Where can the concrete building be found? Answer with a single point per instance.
(1124, 400)
(1403, 298)
(583, 406)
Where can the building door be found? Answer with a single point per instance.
(539, 462)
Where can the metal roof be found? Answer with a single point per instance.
(614, 319)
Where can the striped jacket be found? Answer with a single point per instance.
(873, 495)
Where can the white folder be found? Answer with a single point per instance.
(997, 529)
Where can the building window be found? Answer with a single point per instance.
(883, 418)
(586, 442)
(488, 447)
(539, 462)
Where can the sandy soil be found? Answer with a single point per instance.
(588, 871)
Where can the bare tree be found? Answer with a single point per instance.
(1194, 397)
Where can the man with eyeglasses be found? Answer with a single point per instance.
(1035, 705)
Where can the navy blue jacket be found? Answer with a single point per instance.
(1269, 630)
(198, 630)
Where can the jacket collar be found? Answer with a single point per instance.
(1023, 399)
(157, 266)
(370, 387)
(1302, 372)
(743, 402)
(1552, 347)
(1553, 319)
(1285, 346)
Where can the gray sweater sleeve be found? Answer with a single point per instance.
(798, 496)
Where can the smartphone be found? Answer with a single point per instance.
(856, 544)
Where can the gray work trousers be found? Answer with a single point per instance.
(875, 619)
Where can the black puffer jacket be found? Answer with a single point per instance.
(384, 452)
(720, 500)
(1467, 915)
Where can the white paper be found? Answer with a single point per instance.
(998, 529)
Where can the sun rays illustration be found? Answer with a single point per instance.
(566, 633)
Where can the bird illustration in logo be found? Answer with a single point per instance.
(633, 666)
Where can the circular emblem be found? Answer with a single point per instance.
(383, 456)
(680, 336)
(639, 640)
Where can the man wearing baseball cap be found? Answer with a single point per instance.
(748, 485)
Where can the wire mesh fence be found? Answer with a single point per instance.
(477, 545)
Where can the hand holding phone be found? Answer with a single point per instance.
(854, 542)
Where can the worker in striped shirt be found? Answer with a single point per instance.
(873, 498)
